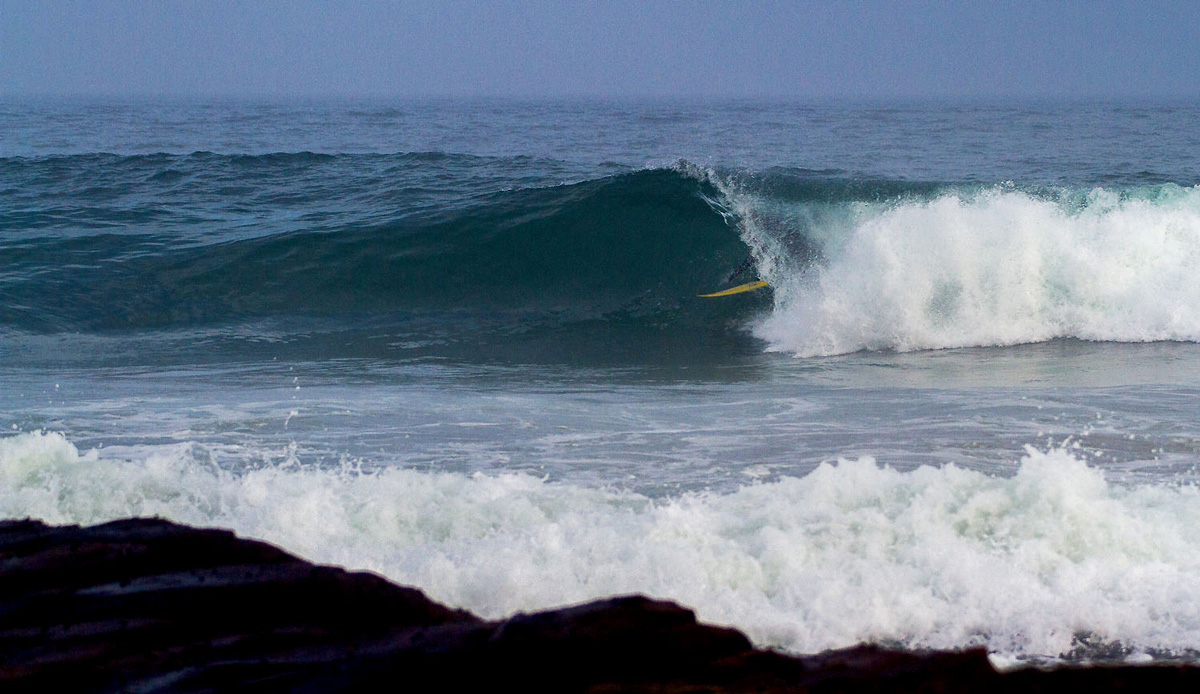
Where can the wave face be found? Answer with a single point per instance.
(434, 252)
(1053, 561)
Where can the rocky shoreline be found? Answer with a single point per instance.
(148, 605)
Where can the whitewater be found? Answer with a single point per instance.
(459, 343)
(1048, 561)
(999, 267)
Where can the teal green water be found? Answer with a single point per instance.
(459, 343)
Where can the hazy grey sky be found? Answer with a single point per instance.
(870, 48)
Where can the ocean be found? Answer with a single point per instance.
(460, 343)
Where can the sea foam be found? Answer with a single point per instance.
(994, 267)
(1035, 564)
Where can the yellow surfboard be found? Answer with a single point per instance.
(747, 287)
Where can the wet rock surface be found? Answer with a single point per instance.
(147, 605)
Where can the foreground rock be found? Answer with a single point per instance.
(151, 606)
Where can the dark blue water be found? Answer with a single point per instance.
(461, 343)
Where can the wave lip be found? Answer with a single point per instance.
(1000, 267)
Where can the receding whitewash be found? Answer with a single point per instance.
(936, 557)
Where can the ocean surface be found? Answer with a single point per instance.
(460, 343)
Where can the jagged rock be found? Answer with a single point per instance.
(146, 605)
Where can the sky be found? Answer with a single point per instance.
(866, 49)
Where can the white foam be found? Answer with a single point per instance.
(999, 267)
(936, 557)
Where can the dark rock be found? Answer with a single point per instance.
(147, 605)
